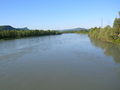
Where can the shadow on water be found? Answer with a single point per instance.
(109, 49)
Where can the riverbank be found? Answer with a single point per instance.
(105, 34)
(80, 31)
(15, 34)
(108, 33)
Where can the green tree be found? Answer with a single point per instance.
(116, 26)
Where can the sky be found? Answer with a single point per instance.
(58, 14)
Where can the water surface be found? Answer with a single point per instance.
(60, 62)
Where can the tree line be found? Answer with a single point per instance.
(11, 34)
(78, 31)
(108, 33)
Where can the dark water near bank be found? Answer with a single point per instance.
(60, 62)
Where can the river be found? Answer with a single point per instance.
(59, 62)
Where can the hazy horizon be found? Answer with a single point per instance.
(58, 14)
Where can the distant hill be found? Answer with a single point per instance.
(8, 27)
(25, 28)
(74, 29)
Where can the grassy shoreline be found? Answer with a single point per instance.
(105, 34)
(108, 33)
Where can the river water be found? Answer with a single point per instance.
(59, 62)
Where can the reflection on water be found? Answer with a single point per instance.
(109, 49)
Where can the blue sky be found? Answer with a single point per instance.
(58, 14)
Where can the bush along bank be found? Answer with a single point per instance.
(108, 33)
